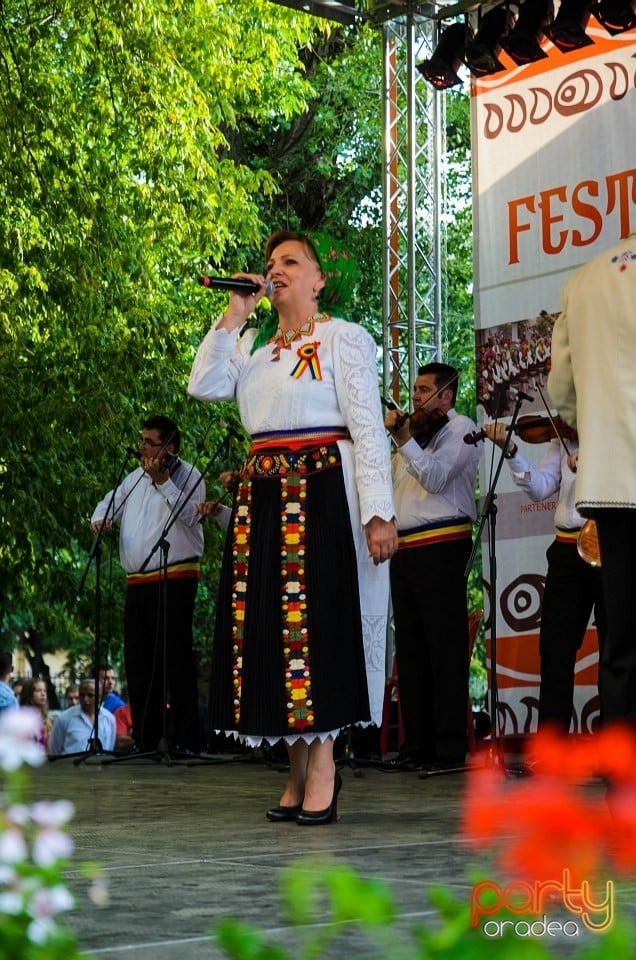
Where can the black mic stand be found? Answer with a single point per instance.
(94, 747)
(488, 514)
(164, 750)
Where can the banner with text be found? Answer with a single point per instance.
(554, 174)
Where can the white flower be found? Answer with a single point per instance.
(19, 814)
(52, 813)
(47, 901)
(50, 846)
(7, 876)
(13, 847)
(99, 892)
(11, 903)
(39, 931)
(18, 730)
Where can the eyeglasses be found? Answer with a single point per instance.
(145, 442)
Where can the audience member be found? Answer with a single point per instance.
(74, 729)
(34, 694)
(110, 699)
(8, 699)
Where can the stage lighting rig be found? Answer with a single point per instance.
(616, 16)
(441, 69)
(480, 55)
(522, 43)
(567, 31)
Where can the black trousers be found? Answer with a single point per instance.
(144, 640)
(616, 534)
(573, 588)
(428, 590)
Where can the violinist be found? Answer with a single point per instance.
(143, 504)
(572, 586)
(434, 475)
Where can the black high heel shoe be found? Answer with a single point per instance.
(315, 818)
(282, 814)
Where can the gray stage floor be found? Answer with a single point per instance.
(183, 846)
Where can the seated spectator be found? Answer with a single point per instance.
(109, 698)
(123, 728)
(34, 694)
(8, 699)
(74, 729)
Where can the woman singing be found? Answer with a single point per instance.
(299, 649)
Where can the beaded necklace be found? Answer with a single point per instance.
(284, 338)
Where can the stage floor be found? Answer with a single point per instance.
(182, 846)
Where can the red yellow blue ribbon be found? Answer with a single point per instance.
(308, 354)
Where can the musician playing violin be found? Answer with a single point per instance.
(143, 503)
(572, 587)
(434, 475)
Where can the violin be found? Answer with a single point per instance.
(533, 429)
(423, 423)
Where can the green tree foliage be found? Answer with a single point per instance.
(117, 180)
(138, 140)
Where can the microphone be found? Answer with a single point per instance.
(132, 452)
(239, 286)
(231, 430)
(522, 396)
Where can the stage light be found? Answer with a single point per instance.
(522, 43)
(480, 55)
(567, 32)
(616, 16)
(441, 69)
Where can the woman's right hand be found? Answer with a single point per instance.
(241, 305)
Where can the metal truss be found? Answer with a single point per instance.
(413, 149)
(413, 248)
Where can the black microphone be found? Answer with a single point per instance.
(239, 286)
(522, 396)
(132, 452)
(231, 430)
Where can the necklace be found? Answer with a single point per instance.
(284, 338)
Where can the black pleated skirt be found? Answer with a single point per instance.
(259, 687)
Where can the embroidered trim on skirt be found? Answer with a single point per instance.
(288, 654)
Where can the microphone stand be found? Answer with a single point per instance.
(94, 746)
(163, 751)
(489, 513)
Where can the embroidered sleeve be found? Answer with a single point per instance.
(356, 379)
(217, 366)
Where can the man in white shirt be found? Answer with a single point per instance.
(573, 588)
(74, 728)
(158, 655)
(434, 474)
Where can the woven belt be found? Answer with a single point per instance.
(460, 529)
(567, 536)
(189, 569)
(298, 439)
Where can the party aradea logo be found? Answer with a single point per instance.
(500, 910)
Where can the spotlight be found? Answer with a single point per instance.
(616, 16)
(522, 43)
(480, 55)
(441, 69)
(567, 32)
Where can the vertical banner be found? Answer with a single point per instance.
(554, 171)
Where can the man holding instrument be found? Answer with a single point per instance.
(434, 475)
(572, 586)
(144, 503)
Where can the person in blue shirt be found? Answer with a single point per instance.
(8, 699)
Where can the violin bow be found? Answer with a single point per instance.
(551, 419)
